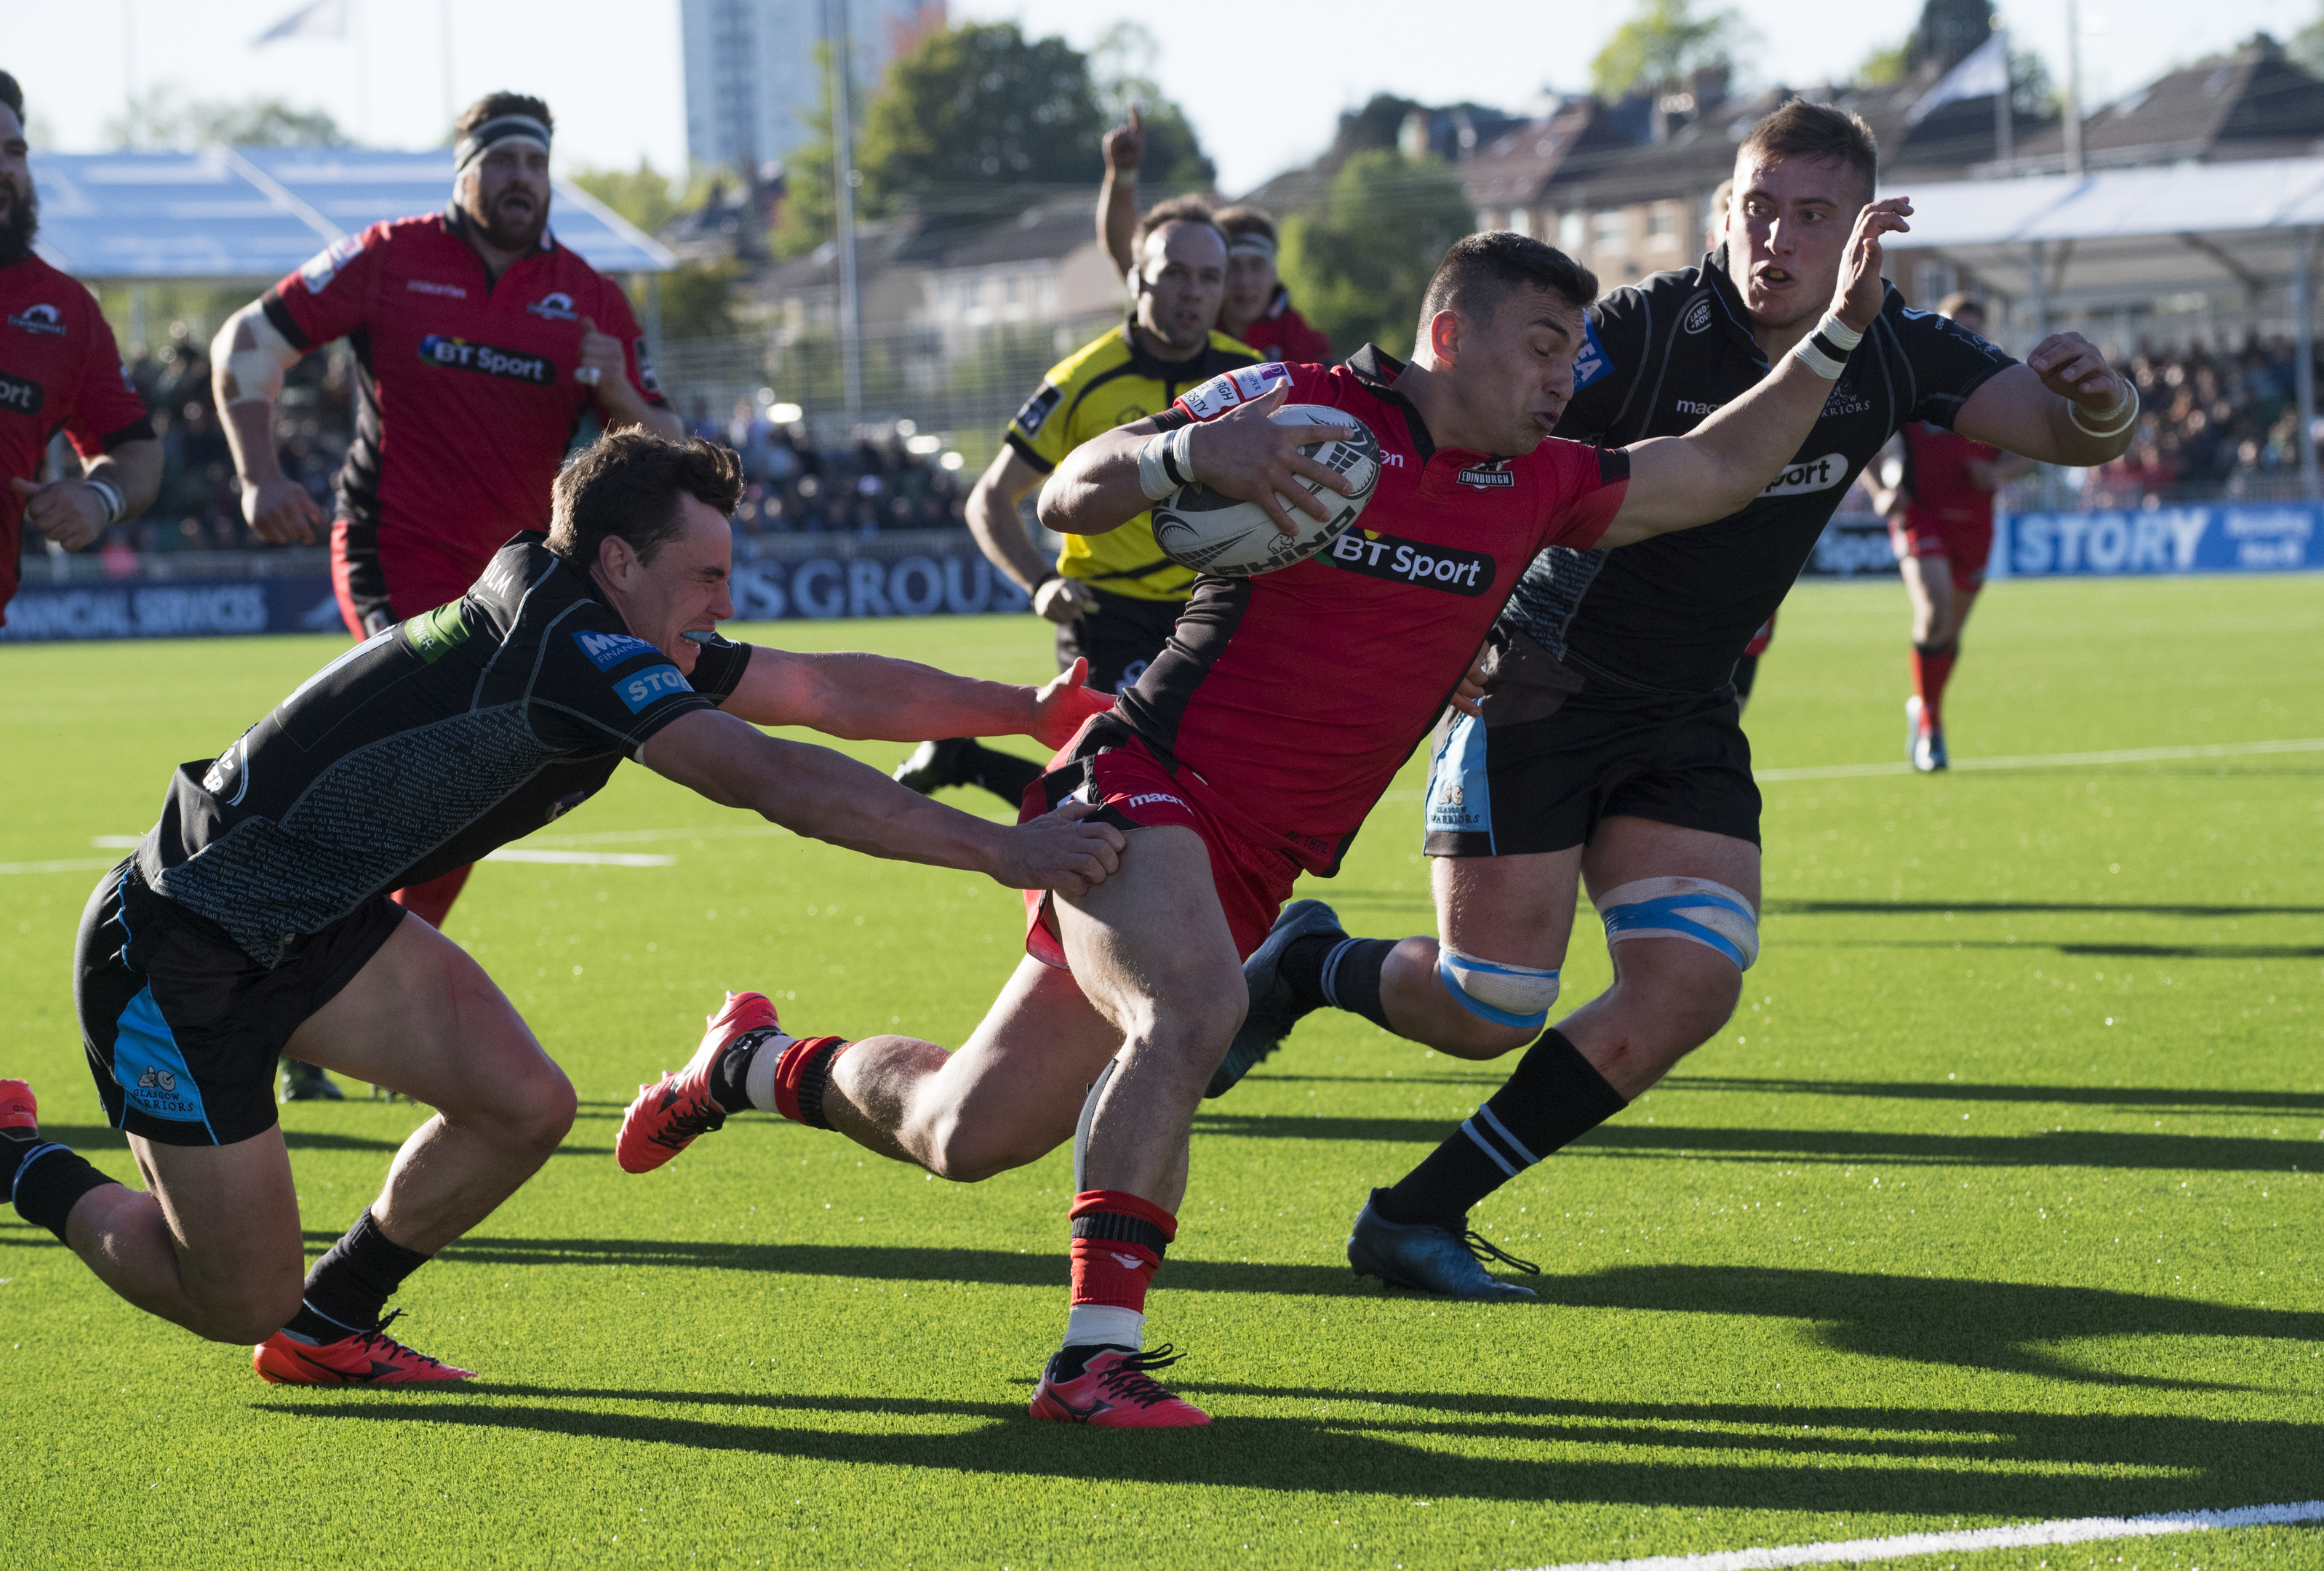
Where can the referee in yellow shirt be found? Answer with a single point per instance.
(1114, 596)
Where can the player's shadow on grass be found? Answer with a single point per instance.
(2136, 951)
(1781, 907)
(1932, 1462)
(2165, 1150)
(2192, 1099)
(100, 1136)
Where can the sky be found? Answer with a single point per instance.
(1262, 82)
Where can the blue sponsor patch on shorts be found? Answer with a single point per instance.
(1590, 362)
(1460, 796)
(652, 683)
(607, 651)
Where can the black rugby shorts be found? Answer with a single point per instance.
(182, 1029)
(1544, 784)
(1121, 639)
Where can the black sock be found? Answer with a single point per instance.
(1330, 970)
(1554, 1097)
(1005, 775)
(46, 1180)
(1937, 651)
(349, 1289)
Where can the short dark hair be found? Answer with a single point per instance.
(1239, 220)
(1479, 270)
(627, 482)
(493, 106)
(12, 95)
(1177, 210)
(1816, 131)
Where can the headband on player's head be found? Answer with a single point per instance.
(1252, 243)
(499, 129)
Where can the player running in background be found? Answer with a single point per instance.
(1114, 597)
(1939, 516)
(1608, 749)
(1250, 752)
(1257, 309)
(253, 916)
(60, 369)
(480, 343)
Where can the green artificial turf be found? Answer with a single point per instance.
(1997, 1201)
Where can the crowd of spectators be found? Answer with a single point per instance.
(900, 481)
(2221, 422)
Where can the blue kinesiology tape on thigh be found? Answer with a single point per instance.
(1695, 909)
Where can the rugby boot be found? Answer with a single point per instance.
(1929, 754)
(370, 1357)
(1112, 1391)
(1913, 730)
(1430, 1259)
(934, 765)
(20, 1111)
(668, 1115)
(303, 1082)
(1273, 1009)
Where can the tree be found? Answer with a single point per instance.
(2306, 46)
(1663, 42)
(979, 120)
(1358, 268)
(698, 301)
(1882, 67)
(1122, 66)
(161, 117)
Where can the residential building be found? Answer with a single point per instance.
(754, 70)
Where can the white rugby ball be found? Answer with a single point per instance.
(1210, 532)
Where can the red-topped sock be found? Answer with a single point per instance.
(1118, 1242)
(797, 1079)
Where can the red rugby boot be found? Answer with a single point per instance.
(367, 1358)
(1113, 1391)
(18, 1110)
(669, 1113)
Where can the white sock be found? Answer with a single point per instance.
(1088, 1324)
(759, 1079)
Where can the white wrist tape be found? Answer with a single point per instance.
(110, 494)
(1825, 350)
(1153, 476)
(2114, 421)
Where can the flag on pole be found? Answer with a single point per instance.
(317, 19)
(1982, 73)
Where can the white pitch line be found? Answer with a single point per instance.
(7, 867)
(2054, 760)
(2022, 1535)
(582, 859)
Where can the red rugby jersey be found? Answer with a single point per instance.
(1940, 493)
(1282, 334)
(1296, 695)
(58, 368)
(465, 399)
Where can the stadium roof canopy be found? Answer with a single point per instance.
(258, 211)
(2125, 237)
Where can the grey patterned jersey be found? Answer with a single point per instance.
(1670, 615)
(419, 750)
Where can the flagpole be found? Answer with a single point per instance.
(129, 73)
(2073, 89)
(2001, 107)
(444, 40)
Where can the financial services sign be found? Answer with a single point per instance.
(2211, 537)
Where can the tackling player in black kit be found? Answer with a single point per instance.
(1608, 750)
(254, 916)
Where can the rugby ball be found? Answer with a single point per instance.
(1210, 532)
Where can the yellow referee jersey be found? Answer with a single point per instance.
(1107, 382)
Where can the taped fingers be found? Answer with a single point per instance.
(1695, 909)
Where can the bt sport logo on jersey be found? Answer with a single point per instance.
(459, 354)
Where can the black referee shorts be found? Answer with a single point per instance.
(1120, 637)
(1543, 784)
(182, 1029)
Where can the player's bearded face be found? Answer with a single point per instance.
(1786, 234)
(1182, 281)
(20, 217)
(508, 196)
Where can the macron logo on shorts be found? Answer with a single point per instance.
(607, 651)
(652, 683)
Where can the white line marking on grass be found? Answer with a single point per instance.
(2022, 1535)
(582, 859)
(116, 842)
(6, 867)
(2048, 760)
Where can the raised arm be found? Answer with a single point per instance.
(247, 360)
(1677, 482)
(874, 698)
(820, 794)
(2065, 405)
(1117, 198)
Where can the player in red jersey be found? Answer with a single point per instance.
(480, 343)
(1941, 523)
(58, 368)
(1250, 752)
(1257, 309)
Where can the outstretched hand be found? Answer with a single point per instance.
(1246, 455)
(1861, 290)
(2071, 366)
(1059, 850)
(1063, 703)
